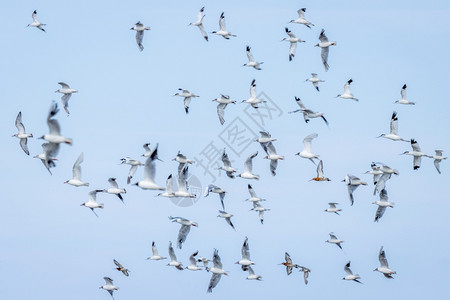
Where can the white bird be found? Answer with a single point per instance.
(307, 149)
(272, 155)
(217, 271)
(253, 197)
(183, 185)
(382, 204)
(288, 264)
(260, 209)
(205, 262)
(134, 165)
(307, 113)
(334, 240)
(184, 230)
(265, 138)
(199, 23)
(193, 262)
(215, 189)
(187, 98)
(325, 46)
(384, 268)
(36, 23)
(147, 149)
(22, 135)
(253, 100)
(109, 286)
(54, 136)
(376, 172)
(169, 190)
(347, 93)
(183, 161)
(251, 60)
(222, 31)
(385, 176)
(315, 80)
(227, 165)
(173, 259)
(155, 255)
(320, 176)
(121, 268)
(48, 156)
(140, 28)
(404, 100)
(92, 203)
(248, 166)
(114, 189)
(252, 275)
(301, 18)
(350, 275)
(352, 183)
(416, 153)
(227, 217)
(306, 272)
(67, 93)
(333, 208)
(223, 101)
(245, 261)
(76, 171)
(393, 134)
(148, 183)
(293, 40)
(438, 157)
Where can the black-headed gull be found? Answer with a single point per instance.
(217, 271)
(253, 100)
(48, 156)
(307, 113)
(325, 46)
(253, 196)
(333, 208)
(134, 165)
(169, 190)
(67, 93)
(416, 153)
(347, 93)
(54, 136)
(293, 40)
(184, 230)
(252, 275)
(76, 172)
(193, 262)
(183, 187)
(114, 189)
(92, 203)
(148, 183)
(251, 60)
(223, 101)
(301, 18)
(227, 165)
(223, 31)
(315, 81)
(36, 23)
(173, 259)
(22, 135)
(350, 275)
(183, 162)
(260, 209)
(245, 261)
(155, 255)
(109, 286)
(227, 217)
(248, 168)
(438, 157)
(404, 100)
(384, 268)
(382, 204)
(187, 98)
(352, 183)
(272, 155)
(307, 149)
(140, 28)
(199, 23)
(215, 189)
(393, 134)
(334, 240)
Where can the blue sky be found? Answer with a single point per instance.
(61, 250)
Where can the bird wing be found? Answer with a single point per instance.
(273, 166)
(65, 101)
(300, 103)
(415, 145)
(417, 160)
(292, 48)
(182, 180)
(203, 32)
(76, 169)
(249, 54)
(154, 249)
(403, 92)
(301, 13)
(199, 15)
(291, 35)
(324, 56)
(139, 38)
(23, 145)
(225, 159)
(192, 259)
(149, 166)
(248, 162)
(322, 37)
(117, 263)
(251, 191)
(169, 184)
(222, 22)
(347, 269)
(307, 142)
(19, 124)
(379, 213)
(221, 111)
(216, 260)
(187, 101)
(382, 258)
(108, 280)
(245, 251)
(182, 234)
(436, 161)
(320, 169)
(252, 89)
(172, 255)
(394, 123)
(113, 183)
(215, 278)
(64, 85)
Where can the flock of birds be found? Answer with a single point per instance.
(380, 171)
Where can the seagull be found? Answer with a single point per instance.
(438, 157)
(384, 269)
(265, 138)
(183, 162)
(204, 261)
(36, 23)
(416, 153)
(223, 101)
(199, 23)
(121, 268)
(114, 189)
(315, 81)
(307, 151)
(227, 217)
(307, 113)
(293, 40)
(253, 197)
(382, 204)
(248, 168)
(352, 183)
(169, 191)
(333, 208)
(376, 172)
(109, 286)
(272, 155)
(67, 93)
(134, 165)
(55, 130)
(184, 230)
(183, 185)
(320, 176)
(350, 275)
(92, 203)
(215, 189)
(385, 176)
(148, 183)
(253, 101)
(404, 100)
(22, 135)
(251, 61)
(347, 94)
(48, 157)
(334, 240)
(325, 45)
(260, 209)
(147, 149)
(217, 271)
(139, 27)
(393, 135)
(76, 171)
(306, 272)
(252, 275)
(223, 32)
(227, 165)
(245, 261)
(288, 263)
(301, 18)
(193, 262)
(155, 255)
(173, 259)
(187, 98)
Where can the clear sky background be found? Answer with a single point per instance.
(54, 249)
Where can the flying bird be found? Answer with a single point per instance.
(199, 23)
(293, 40)
(48, 156)
(260, 209)
(325, 46)
(36, 23)
(438, 157)
(404, 100)
(333, 208)
(193, 262)
(376, 172)
(227, 217)
(215, 189)
(253, 197)
(307, 149)
(320, 176)
(187, 98)
(183, 162)
(350, 275)
(252, 275)
(148, 183)
(184, 229)
(54, 136)
(134, 165)
(382, 204)
(76, 171)
(272, 155)
(140, 28)
(92, 203)
(245, 261)
(67, 93)
(223, 31)
(251, 60)
(121, 268)
(248, 166)
(227, 165)
(217, 271)
(334, 240)
(183, 185)
(352, 183)
(393, 134)
(22, 135)
(384, 268)
(416, 153)
(301, 18)
(253, 100)
(307, 113)
(114, 189)
(173, 259)
(288, 264)
(109, 286)
(347, 93)
(315, 81)
(169, 190)
(306, 272)
(223, 101)
(155, 255)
